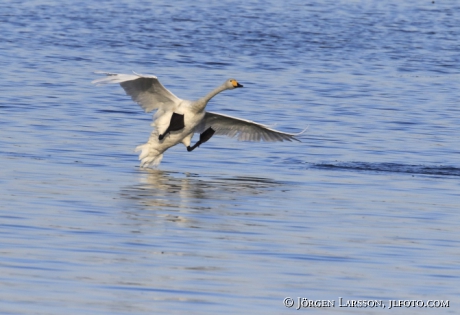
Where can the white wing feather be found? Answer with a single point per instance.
(245, 130)
(145, 90)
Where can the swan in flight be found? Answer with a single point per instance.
(176, 120)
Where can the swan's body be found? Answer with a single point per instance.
(171, 128)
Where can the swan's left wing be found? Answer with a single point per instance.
(145, 90)
(245, 130)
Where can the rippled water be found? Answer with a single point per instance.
(365, 207)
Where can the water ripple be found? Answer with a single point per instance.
(391, 168)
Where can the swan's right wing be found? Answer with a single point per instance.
(245, 130)
(145, 90)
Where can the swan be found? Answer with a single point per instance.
(176, 120)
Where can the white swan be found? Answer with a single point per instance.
(176, 120)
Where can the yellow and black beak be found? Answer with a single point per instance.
(236, 84)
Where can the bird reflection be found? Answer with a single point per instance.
(159, 189)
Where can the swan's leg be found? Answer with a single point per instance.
(205, 136)
(187, 139)
(190, 149)
(176, 124)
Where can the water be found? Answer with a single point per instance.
(365, 207)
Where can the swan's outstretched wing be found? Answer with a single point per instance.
(145, 90)
(246, 130)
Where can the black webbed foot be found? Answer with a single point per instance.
(204, 136)
(176, 124)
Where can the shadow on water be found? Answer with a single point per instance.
(165, 189)
(390, 168)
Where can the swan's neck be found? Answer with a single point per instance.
(202, 102)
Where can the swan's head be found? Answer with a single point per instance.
(232, 84)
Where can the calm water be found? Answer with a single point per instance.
(365, 207)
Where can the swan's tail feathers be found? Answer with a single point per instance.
(149, 156)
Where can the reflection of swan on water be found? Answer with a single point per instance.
(185, 192)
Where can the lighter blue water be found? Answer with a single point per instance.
(365, 207)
